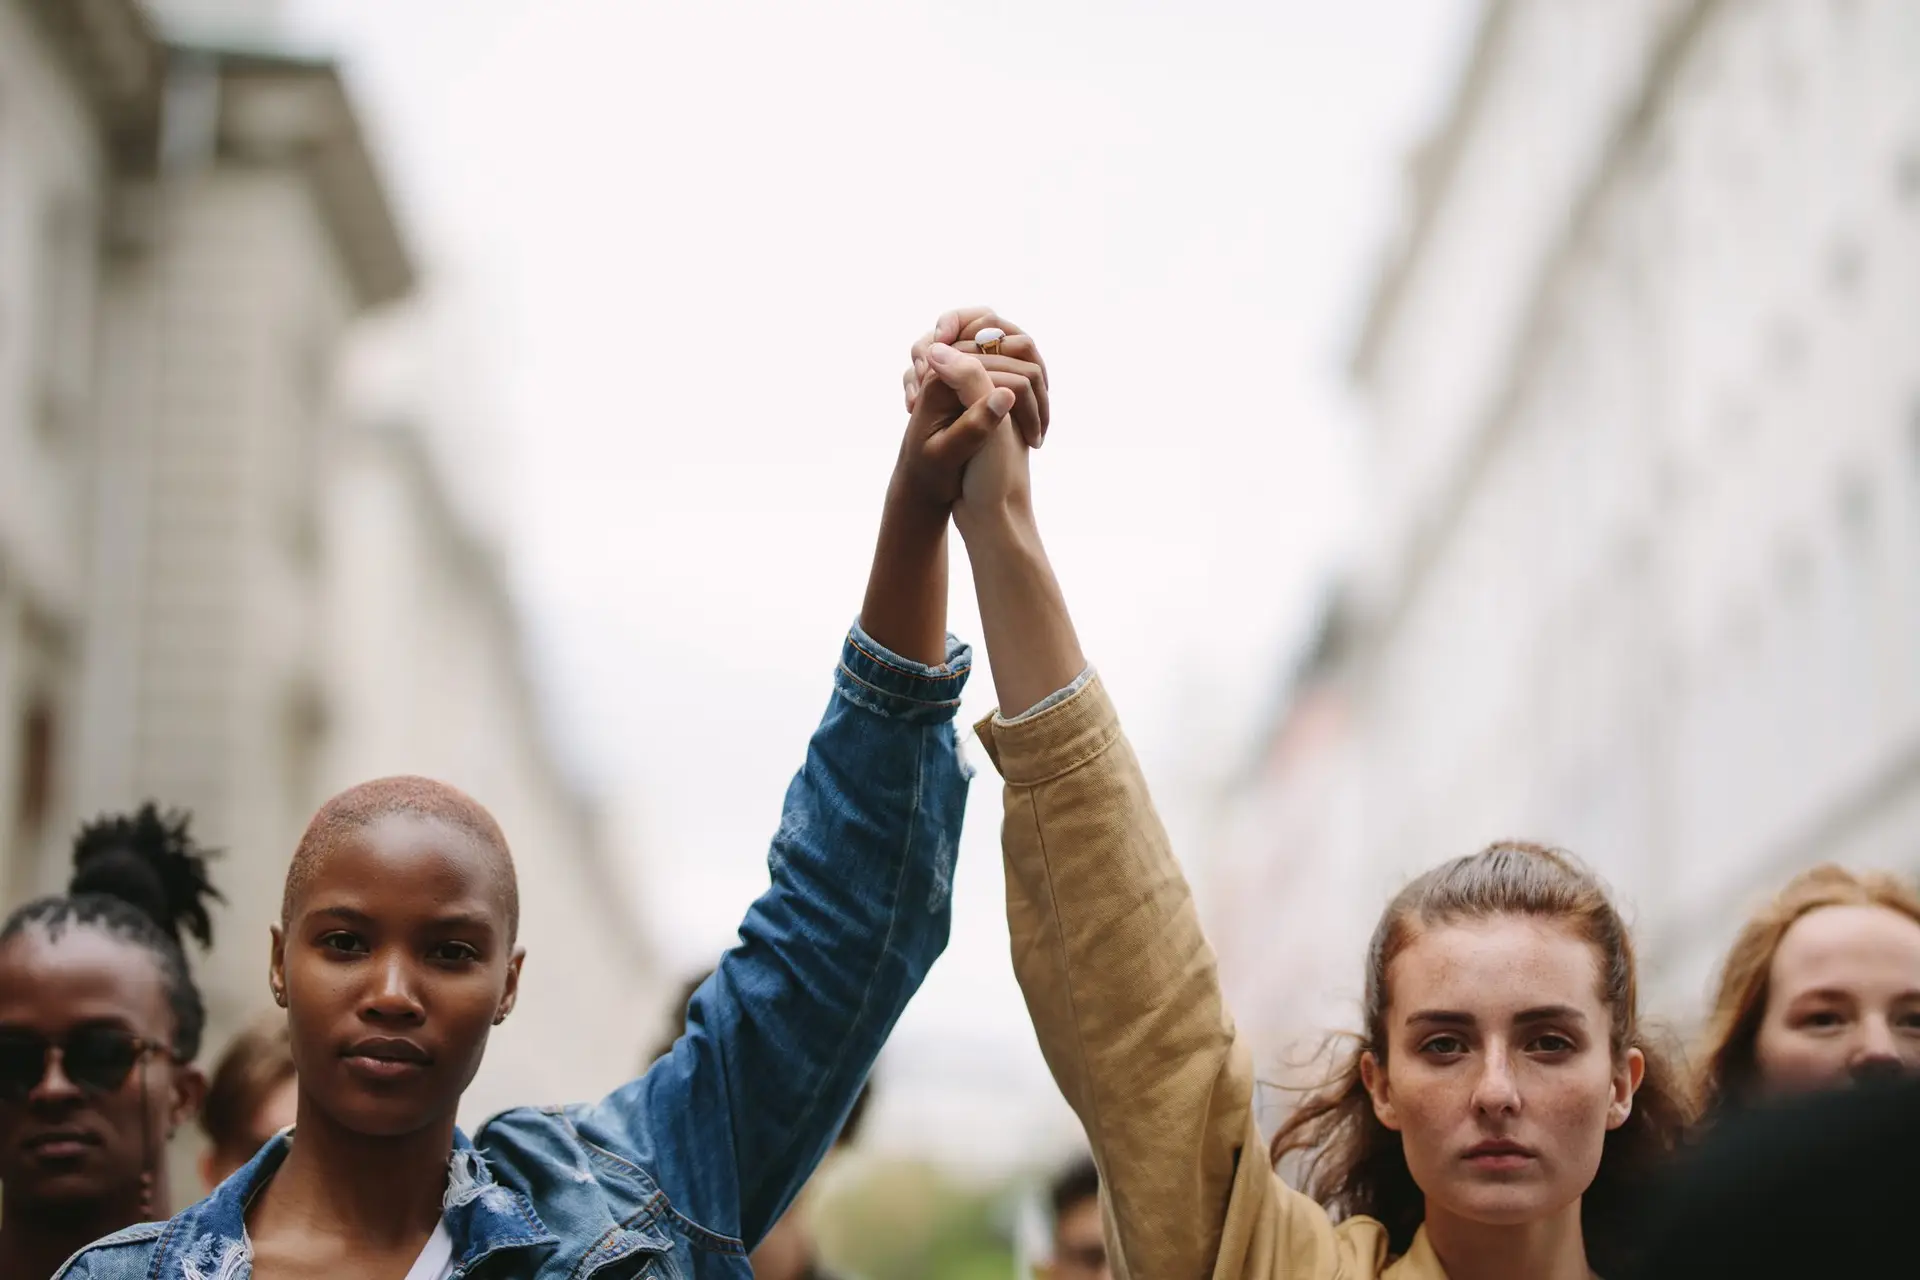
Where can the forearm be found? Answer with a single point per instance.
(1122, 988)
(780, 1039)
(857, 911)
(906, 604)
(1029, 635)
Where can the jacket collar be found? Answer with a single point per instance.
(1419, 1262)
(209, 1240)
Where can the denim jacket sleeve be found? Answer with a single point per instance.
(779, 1041)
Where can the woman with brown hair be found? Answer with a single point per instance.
(1362, 1158)
(1502, 1098)
(1821, 988)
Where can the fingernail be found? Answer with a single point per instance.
(939, 353)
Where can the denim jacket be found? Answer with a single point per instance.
(676, 1175)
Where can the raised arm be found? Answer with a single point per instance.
(1121, 986)
(780, 1039)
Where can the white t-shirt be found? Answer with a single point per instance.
(436, 1260)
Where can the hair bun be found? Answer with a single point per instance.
(149, 861)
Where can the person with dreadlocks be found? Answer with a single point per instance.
(100, 1022)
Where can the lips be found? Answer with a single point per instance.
(1499, 1153)
(60, 1144)
(386, 1058)
(389, 1049)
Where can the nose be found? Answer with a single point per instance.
(391, 999)
(55, 1089)
(1496, 1092)
(1877, 1054)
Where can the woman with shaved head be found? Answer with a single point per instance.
(396, 954)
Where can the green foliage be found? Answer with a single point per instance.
(910, 1221)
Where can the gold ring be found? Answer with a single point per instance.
(990, 340)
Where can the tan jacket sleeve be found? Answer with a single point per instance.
(1124, 993)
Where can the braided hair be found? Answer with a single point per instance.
(139, 877)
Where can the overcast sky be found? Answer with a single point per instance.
(675, 254)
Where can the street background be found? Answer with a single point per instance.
(1472, 418)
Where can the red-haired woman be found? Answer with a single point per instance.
(1821, 988)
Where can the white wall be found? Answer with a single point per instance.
(204, 667)
(1645, 577)
(52, 182)
(1669, 619)
(248, 19)
(425, 676)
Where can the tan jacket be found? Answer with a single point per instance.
(1123, 991)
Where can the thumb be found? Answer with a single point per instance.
(954, 446)
(964, 373)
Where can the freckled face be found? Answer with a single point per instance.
(1499, 1076)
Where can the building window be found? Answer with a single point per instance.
(1906, 173)
(303, 736)
(33, 798)
(1913, 439)
(1846, 261)
(307, 374)
(63, 298)
(1856, 512)
(1913, 455)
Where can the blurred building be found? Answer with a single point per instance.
(1642, 575)
(78, 101)
(1291, 928)
(427, 675)
(217, 588)
(221, 20)
(242, 261)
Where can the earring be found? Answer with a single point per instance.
(146, 1195)
(280, 997)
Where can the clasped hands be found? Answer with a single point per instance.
(973, 417)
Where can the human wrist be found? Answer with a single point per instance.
(1004, 523)
(913, 511)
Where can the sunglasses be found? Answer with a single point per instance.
(97, 1059)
